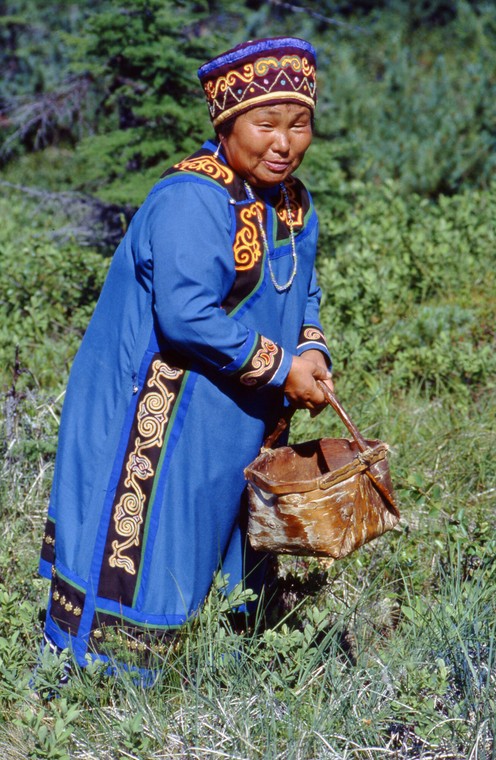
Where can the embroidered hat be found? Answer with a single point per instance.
(259, 72)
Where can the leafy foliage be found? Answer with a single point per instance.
(409, 284)
(142, 58)
(397, 99)
(47, 291)
(391, 651)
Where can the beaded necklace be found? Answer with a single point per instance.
(280, 288)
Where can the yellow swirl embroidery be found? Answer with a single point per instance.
(264, 64)
(312, 333)
(292, 60)
(246, 248)
(262, 362)
(307, 68)
(208, 165)
(153, 415)
(232, 77)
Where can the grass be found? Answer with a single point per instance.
(389, 653)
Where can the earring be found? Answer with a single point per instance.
(216, 154)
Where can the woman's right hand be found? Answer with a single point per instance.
(301, 387)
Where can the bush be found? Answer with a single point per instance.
(407, 286)
(401, 101)
(47, 294)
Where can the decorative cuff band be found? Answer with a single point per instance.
(311, 336)
(267, 365)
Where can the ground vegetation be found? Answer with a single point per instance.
(390, 653)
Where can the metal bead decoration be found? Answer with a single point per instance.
(280, 288)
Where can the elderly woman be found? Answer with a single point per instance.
(207, 322)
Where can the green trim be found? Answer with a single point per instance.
(136, 623)
(250, 355)
(69, 582)
(254, 290)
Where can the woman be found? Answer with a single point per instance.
(207, 322)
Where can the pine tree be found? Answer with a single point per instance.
(142, 56)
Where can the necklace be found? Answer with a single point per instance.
(280, 288)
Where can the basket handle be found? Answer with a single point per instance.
(281, 426)
(333, 401)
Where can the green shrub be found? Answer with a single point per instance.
(406, 90)
(47, 294)
(408, 285)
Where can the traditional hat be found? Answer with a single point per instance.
(257, 73)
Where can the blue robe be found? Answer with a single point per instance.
(178, 379)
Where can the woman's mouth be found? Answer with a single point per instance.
(278, 167)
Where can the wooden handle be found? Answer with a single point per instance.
(333, 401)
(280, 427)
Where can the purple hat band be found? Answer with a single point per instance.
(260, 72)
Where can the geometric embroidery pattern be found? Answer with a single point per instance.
(291, 75)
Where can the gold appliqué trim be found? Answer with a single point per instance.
(262, 362)
(312, 333)
(248, 73)
(288, 61)
(247, 250)
(214, 86)
(242, 85)
(259, 100)
(153, 416)
(66, 603)
(208, 165)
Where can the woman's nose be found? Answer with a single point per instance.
(281, 141)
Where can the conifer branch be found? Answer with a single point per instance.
(316, 15)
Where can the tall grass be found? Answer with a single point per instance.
(390, 653)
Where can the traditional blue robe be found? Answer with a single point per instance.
(178, 379)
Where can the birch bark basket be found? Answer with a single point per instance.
(324, 498)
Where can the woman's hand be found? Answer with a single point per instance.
(301, 386)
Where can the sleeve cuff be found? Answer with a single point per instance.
(266, 364)
(312, 337)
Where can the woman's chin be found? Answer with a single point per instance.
(270, 175)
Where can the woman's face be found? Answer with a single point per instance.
(268, 143)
